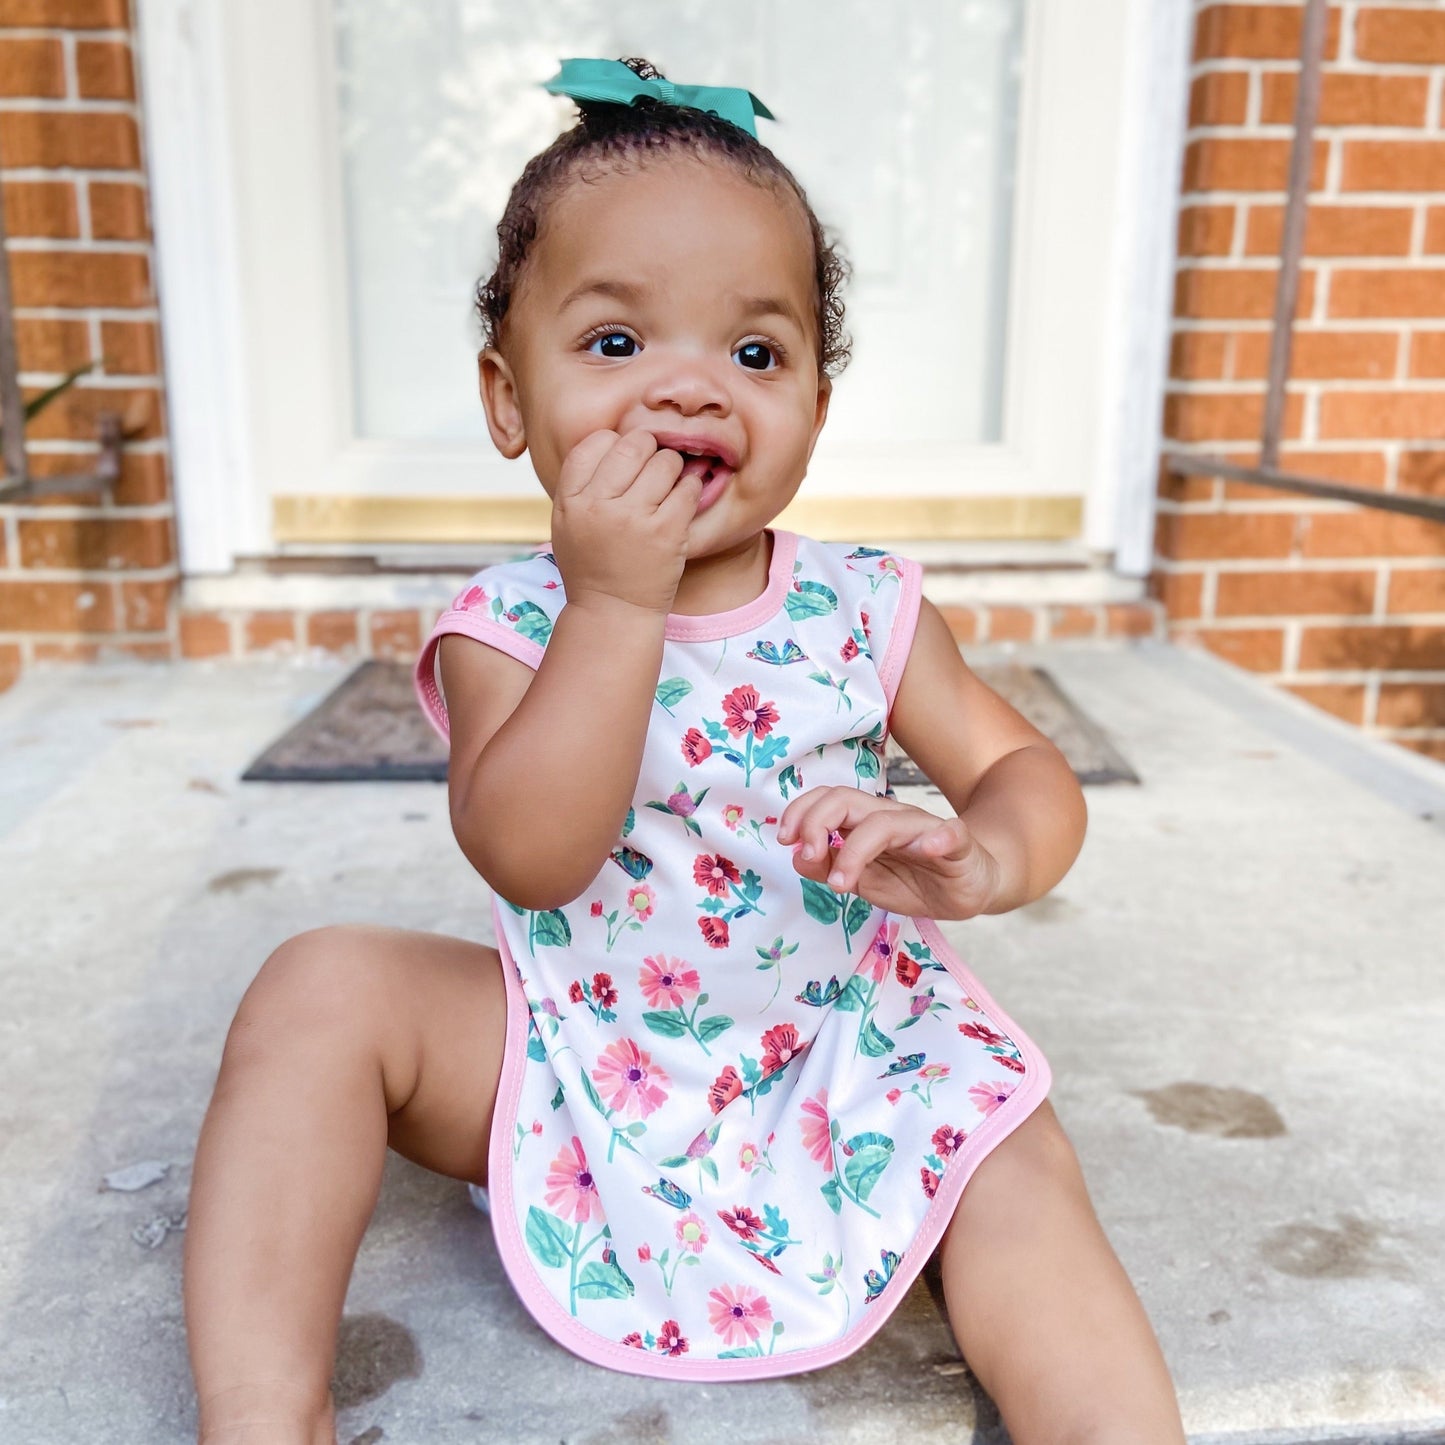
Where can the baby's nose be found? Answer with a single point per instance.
(689, 383)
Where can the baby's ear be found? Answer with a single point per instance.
(499, 399)
(825, 393)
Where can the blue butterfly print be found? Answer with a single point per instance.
(669, 1193)
(904, 1064)
(816, 996)
(867, 552)
(874, 1282)
(767, 651)
(634, 864)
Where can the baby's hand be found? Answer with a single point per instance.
(620, 517)
(896, 856)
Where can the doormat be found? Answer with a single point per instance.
(370, 728)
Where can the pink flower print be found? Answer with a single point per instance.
(890, 564)
(629, 1081)
(817, 1130)
(714, 872)
(644, 1252)
(880, 952)
(743, 711)
(929, 1180)
(907, 970)
(770, 820)
(849, 650)
(725, 1088)
(748, 1155)
(780, 1044)
(867, 635)
(667, 982)
(536, 1126)
(570, 1188)
(551, 585)
(691, 1232)
(640, 901)
(670, 1340)
(681, 803)
(472, 600)
(947, 1140)
(597, 908)
(738, 1314)
(981, 1032)
(933, 1072)
(893, 1095)
(715, 931)
(742, 1221)
(919, 1004)
(987, 1097)
(695, 747)
(732, 815)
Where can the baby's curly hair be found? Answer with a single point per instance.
(605, 132)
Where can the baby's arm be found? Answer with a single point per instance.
(1003, 777)
(543, 767)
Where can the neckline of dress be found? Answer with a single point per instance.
(708, 626)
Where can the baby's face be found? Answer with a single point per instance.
(676, 297)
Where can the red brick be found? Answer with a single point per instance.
(1224, 416)
(118, 211)
(1422, 472)
(144, 479)
(67, 651)
(1066, 621)
(80, 278)
(1334, 230)
(1011, 624)
(1342, 699)
(204, 634)
(962, 622)
(1411, 705)
(130, 348)
(41, 208)
(1427, 354)
(51, 345)
(145, 603)
(93, 140)
(264, 631)
(1235, 163)
(1349, 99)
(1434, 230)
(1223, 536)
(103, 68)
(32, 67)
(1399, 36)
(1361, 469)
(1198, 355)
(395, 634)
(1320, 355)
(1219, 98)
(75, 415)
(1416, 589)
(1369, 646)
(1258, 649)
(69, 14)
(1393, 165)
(333, 631)
(1130, 619)
(1283, 593)
(35, 606)
(1180, 593)
(1258, 32)
(93, 544)
(1362, 532)
(1206, 230)
(1384, 414)
(10, 664)
(1408, 293)
(1427, 747)
(1236, 293)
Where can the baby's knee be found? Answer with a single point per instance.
(1037, 1153)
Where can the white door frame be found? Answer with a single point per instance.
(248, 417)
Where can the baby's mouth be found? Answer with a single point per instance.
(695, 464)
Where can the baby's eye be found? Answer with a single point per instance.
(612, 344)
(756, 356)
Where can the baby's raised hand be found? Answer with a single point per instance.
(898, 857)
(620, 516)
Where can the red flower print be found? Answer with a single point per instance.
(570, 1189)
(930, 1182)
(780, 1043)
(867, 635)
(893, 1095)
(766, 1263)
(742, 1221)
(907, 970)
(948, 1140)
(695, 747)
(981, 1032)
(849, 650)
(574, 991)
(536, 1126)
(634, 1339)
(603, 994)
(1010, 1063)
(715, 931)
(597, 908)
(715, 873)
(744, 711)
(670, 1340)
(472, 598)
(738, 1313)
(644, 1252)
(725, 1088)
(770, 820)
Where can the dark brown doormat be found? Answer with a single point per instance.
(370, 728)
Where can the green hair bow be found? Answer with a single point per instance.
(611, 80)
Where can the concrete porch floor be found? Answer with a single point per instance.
(1264, 914)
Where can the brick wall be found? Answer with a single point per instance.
(84, 573)
(1342, 605)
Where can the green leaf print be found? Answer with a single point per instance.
(865, 1165)
(710, 1028)
(820, 901)
(531, 622)
(671, 691)
(852, 997)
(669, 1025)
(865, 761)
(548, 1238)
(603, 1281)
(535, 1051)
(814, 600)
(594, 1096)
(550, 929)
(789, 778)
(558, 1097)
(859, 912)
(874, 1042)
(833, 1195)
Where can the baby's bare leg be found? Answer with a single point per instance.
(1042, 1308)
(348, 1040)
